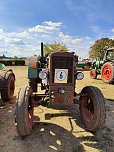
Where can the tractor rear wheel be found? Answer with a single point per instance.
(7, 94)
(24, 112)
(107, 72)
(33, 84)
(92, 108)
(93, 74)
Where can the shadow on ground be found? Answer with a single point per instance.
(50, 137)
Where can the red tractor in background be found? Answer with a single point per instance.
(57, 76)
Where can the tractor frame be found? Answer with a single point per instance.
(56, 75)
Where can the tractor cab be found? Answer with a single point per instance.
(109, 56)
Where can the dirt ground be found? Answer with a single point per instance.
(63, 131)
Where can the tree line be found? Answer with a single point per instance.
(98, 49)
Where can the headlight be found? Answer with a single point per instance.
(42, 75)
(80, 76)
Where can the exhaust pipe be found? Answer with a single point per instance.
(42, 51)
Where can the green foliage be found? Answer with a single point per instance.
(54, 47)
(99, 48)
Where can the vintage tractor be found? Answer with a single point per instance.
(104, 66)
(57, 75)
(7, 84)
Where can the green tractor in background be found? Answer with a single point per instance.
(104, 66)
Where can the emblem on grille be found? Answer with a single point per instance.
(61, 75)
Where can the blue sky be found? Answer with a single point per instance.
(77, 23)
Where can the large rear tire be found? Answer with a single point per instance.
(107, 72)
(92, 108)
(7, 94)
(24, 111)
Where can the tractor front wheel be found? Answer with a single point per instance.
(92, 108)
(24, 111)
(93, 74)
(107, 72)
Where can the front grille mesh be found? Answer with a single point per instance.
(63, 63)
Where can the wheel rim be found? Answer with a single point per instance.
(107, 72)
(92, 74)
(87, 108)
(30, 112)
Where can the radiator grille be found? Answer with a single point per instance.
(63, 63)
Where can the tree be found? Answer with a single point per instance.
(54, 47)
(3, 56)
(99, 48)
(15, 57)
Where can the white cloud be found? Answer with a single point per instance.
(22, 34)
(79, 45)
(11, 38)
(27, 42)
(1, 30)
(113, 30)
(69, 39)
(48, 27)
(3, 51)
(16, 41)
(43, 29)
(53, 24)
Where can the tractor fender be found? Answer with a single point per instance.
(4, 77)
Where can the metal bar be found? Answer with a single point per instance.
(42, 53)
